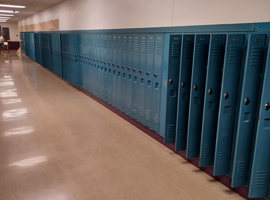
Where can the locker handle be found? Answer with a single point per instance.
(113, 65)
(210, 91)
(147, 73)
(134, 70)
(267, 106)
(155, 75)
(109, 63)
(123, 67)
(128, 68)
(183, 84)
(170, 81)
(195, 87)
(246, 101)
(226, 95)
(104, 62)
(140, 71)
(118, 65)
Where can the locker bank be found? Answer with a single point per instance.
(92, 81)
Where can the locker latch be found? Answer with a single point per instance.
(170, 81)
(210, 91)
(267, 106)
(226, 95)
(183, 84)
(246, 101)
(195, 87)
(155, 75)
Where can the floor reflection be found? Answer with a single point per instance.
(29, 161)
(19, 131)
(11, 101)
(14, 114)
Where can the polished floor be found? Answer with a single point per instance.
(56, 143)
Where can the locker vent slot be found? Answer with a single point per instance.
(222, 158)
(241, 169)
(175, 50)
(261, 179)
(171, 130)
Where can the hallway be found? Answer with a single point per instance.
(56, 143)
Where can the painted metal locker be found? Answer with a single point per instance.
(157, 77)
(196, 102)
(129, 74)
(186, 59)
(109, 68)
(119, 72)
(260, 169)
(114, 72)
(211, 99)
(141, 78)
(248, 108)
(233, 62)
(150, 44)
(170, 76)
(135, 83)
(95, 65)
(37, 38)
(98, 64)
(83, 61)
(90, 49)
(124, 64)
(74, 60)
(104, 67)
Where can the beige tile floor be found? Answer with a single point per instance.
(58, 144)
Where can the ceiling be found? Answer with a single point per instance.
(32, 6)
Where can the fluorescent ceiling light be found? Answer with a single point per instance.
(11, 6)
(9, 11)
(7, 15)
(4, 17)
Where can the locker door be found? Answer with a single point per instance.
(211, 99)
(114, 72)
(141, 78)
(63, 47)
(136, 63)
(119, 72)
(184, 91)
(248, 107)
(109, 66)
(198, 78)
(124, 63)
(98, 64)
(170, 88)
(83, 41)
(150, 43)
(104, 67)
(157, 77)
(260, 169)
(234, 54)
(129, 75)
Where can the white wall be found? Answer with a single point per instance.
(13, 30)
(106, 14)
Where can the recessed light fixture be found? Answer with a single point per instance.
(11, 6)
(6, 15)
(9, 11)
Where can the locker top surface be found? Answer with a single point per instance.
(241, 27)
